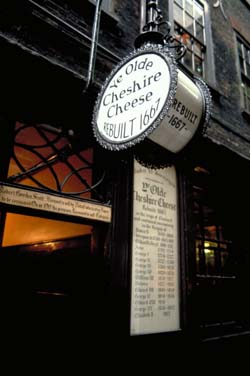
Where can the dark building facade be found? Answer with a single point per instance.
(67, 223)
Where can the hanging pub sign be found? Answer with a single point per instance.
(147, 95)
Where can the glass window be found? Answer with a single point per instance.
(217, 251)
(178, 14)
(54, 255)
(179, 2)
(189, 6)
(46, 158)
(190, 30)
(214, 251)
(244, 60)
(198, 65)
(246, 94)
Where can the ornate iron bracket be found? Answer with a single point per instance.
(173, 43)
(154, 21)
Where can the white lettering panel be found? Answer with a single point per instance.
(155, 246)
(22, 197)
(183, 118)
(134, 98)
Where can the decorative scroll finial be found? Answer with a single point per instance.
(172, 42)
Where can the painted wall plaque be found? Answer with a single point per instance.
(155, 248)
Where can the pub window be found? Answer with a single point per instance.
(190, 25)
(60, 255)
(244, 60)
(189, 29)
(214, 246)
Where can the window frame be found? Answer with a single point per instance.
(209, 74)
(211, 233)
(244, 77)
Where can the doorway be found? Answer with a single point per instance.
(54, 269)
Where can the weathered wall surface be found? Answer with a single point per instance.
(229, 125)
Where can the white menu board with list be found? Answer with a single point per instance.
(155, 263)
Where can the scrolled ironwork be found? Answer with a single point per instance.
(154, 23)
(55, 146)
(173, 43)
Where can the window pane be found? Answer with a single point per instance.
(180, 2)
(248, 89)
(189, 24)
(177, 32)
(248, 104)
(248, 57)
(210, 233)
(199, 32)
(187, 40)
(198, 49)
(244, 53)
(188, 59)
(248, 70)
(242, 65)
(246, 93)
(183, 37)
(199, 14)
(244, 56)
(210, 260)
(239, 48)
(178, 14)
(200, 258)
(198, 268)
(189, 6)
(198, 65)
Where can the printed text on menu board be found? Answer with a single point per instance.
(155, 269)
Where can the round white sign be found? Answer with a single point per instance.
(135, 98)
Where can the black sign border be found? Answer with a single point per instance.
(207, 104)
(168, 57)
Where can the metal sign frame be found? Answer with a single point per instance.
(168, 58)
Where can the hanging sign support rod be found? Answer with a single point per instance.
(153, 14)
(94, 44)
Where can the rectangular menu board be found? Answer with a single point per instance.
(155, 264)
